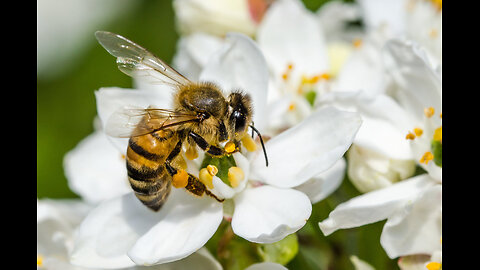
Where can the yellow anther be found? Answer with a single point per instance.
(426, 157)
(206, 178)
(429, 112)
(410, 136)
(434, 266)
(291, 107)
(123, 157)
(437, 4)
(325, 76)
(249, 143)
(290, 66)
(212, 170)
(235, 176)
(285, 76)
(191, 153)
(357, 43)
(437, 135)
(39, 260)
(418, 131)
(440, 115)
(230, 147)
(180, 179)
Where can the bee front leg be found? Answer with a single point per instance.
(205, 146)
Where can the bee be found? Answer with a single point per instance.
(201, 116)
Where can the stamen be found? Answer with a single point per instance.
(285, 76)
(418, 131)
(230, 147)
(206, 178)
(123, 156)
(437, 135)
(180, 179)
(410, 136)
(191, 153)
(426, 157)
(434, 266)
(249, 143)
(291, 107)
(429, 112)
(235, 176)
(212, 170)
(39, 260)
(290, 66)
(357, 43)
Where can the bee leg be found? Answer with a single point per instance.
(210, 149)
(184, 179)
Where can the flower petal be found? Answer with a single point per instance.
(95, 169)
(322, 185)
(416, 228)
(266, 266)
(306, 149)
(375, 205)
(240, 65)
(267, 214)
(202, 260)
(183, 225)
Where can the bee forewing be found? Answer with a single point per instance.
(137, 62)
(133, 121)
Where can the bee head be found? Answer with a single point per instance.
(240, 114)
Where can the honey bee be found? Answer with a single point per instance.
(201, 116)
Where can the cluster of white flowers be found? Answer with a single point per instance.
(329, 100)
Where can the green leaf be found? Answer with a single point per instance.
(223, 164)
(280, 252)
(437, 152)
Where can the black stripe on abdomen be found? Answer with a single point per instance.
(144, 153)
(144, 173)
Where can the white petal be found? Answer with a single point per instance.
(266, 266)
(96, 170)
(306, 149)
(202, 260)
(183, 225)
(384, 122)
(267, 214)
(374, 206)
(416, 228)
(387, 13)
(240, 65)
(290, 34)
(324, 184)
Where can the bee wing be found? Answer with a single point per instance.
(137, 62)
(132, 121)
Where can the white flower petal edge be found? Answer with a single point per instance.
(307, 149)
(95, 169)
(267, 214)
(375, 205)
(416, 228)
(202, 260)
(266, 266)
(97, 243)
(239, 65)
(322, 185)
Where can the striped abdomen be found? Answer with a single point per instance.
(146, 157)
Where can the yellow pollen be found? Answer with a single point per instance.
(426, 157)
(440, 115)
(290, 66)
(123, 156)
(249, 143)
(291, 107)
(206, 178)
(212, 170)
(230, 147)
(39, 260)
(285, 76)
(191, 153)
(418, 131)
(325, 76)
(357, 43)
(180, 179)
(434, 266)
(429, 112)
(437, 135)
(410, 136)
(235, 176)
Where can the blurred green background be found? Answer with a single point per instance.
(66, 109)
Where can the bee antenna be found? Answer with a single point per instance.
(252, 128)
(261, 141)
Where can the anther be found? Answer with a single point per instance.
(429, 112)
(410, 136)
(206, 178)
(426, 157)
(212, 170)
(434, 266)
(191, 153)
(249, 143)
(235, 176)
(291, 107)
(357, 43)
(230, 147)
(437, 135)
(180, 179)
(39, 260)
(418, 131)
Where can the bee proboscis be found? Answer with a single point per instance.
(201, 116)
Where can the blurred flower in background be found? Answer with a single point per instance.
(315, 70)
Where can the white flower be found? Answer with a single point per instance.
(412, 207)
(122, 232)
(216, 17)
